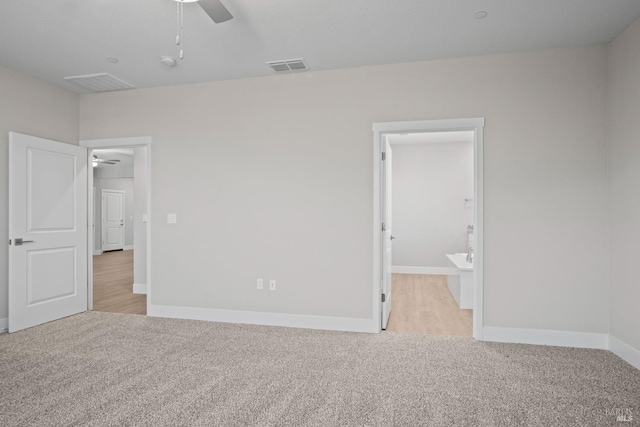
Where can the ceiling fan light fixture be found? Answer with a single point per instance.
(168, 61)
(214, 8)
(96, 161)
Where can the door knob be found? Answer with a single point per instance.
(18, 241)
(392, 238)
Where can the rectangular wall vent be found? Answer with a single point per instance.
(288, 65)
(102, 82)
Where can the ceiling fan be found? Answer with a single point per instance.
(97, 161)
(214, 8)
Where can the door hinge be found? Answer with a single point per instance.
(384, 297)
(384, 156)
(384, 227)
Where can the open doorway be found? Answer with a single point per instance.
(115, 225)
(119, 233)
(437, 231)
(432, 223)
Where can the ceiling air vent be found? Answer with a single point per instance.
(102, 82)
(288, 65)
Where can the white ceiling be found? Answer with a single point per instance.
(51, 39)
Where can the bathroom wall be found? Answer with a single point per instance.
(430, 184)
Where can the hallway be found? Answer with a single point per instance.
(113, 284)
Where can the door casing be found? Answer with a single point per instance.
(130, 142)
(386, 128)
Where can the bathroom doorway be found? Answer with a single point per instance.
(437, 214)
(432, 205)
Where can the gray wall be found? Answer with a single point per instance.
(284, 190)
(624, 184)
(35, 108)
(430, 184)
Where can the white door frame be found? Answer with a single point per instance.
(131, 142)
(102, 215)
(477, 126)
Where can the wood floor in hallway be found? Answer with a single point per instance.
(113, 284)
(423, 304)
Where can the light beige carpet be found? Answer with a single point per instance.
(104, 369)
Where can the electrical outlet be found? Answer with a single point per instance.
(260, 284)
(172, 218)
(272, 285)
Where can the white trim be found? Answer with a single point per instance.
(377, 228)
(137, 141)
(98, 252)
(91, 238)
(139, 288)
(478, 219)
(4, 325)
(443, 271)
(624, 351)
(546, 337)
(128, 248)
(428, 125)
(345, 324)
(473, 124)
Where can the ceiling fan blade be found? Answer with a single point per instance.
(216, 10)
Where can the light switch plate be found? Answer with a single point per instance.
(272, 285)
(172, 218)
(145, 218)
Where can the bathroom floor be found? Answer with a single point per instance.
(423, 304)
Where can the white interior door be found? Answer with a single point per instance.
(112, 220)
(387, 237)
(47, 230)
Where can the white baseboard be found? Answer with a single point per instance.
(346, 324)
(140, 288)
(98, 252)
(624, 351)
(128, 248)
(546, 337)
(4, 325)
(425, 270)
